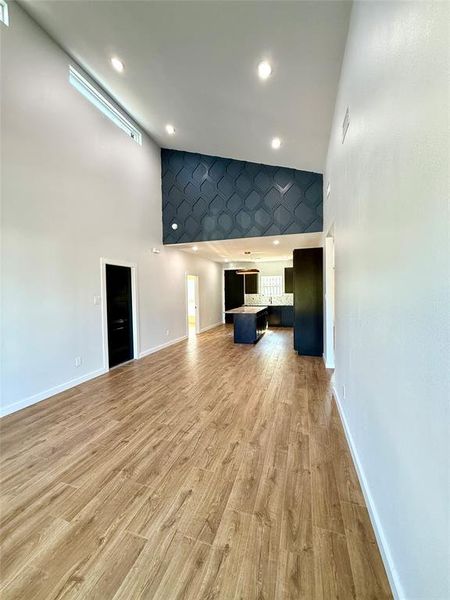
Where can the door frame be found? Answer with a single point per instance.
(197, 303)
(330, 295)
(134, 306)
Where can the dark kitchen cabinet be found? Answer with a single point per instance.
(289, 280)
(280, 316)
(308, 301)
(274, 316)
(234, 292)
(251, 283)
(287, 316)
(248, 328)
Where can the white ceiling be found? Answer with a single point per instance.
(262, 248)
(193, 64)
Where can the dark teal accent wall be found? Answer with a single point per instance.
(212, 198)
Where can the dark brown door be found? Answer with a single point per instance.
(120, 314)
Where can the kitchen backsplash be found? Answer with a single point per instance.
(261, 299)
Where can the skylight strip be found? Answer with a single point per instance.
(4, 16)
(102, 103)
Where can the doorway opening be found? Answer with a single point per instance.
(193, 320)
(330, 329)
(119, 315)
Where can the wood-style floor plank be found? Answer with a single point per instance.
(208, 470)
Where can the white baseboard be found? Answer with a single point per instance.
(208, 327)
(15, 406)
(373, 513)
(327, 363)
(162, 346)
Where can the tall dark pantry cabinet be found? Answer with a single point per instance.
(234, 292)
(308, 301)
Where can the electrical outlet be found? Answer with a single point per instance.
(343, 392)
(97, 300)
(167, 332)
(78, 361)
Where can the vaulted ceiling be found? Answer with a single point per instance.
(194, 65)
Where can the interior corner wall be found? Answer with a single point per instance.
(74, 189)
(389, 211)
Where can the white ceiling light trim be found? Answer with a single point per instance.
(264, 70)
(170, 129)
(117, 64)
(275, 143)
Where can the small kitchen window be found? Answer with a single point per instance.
(271, 285)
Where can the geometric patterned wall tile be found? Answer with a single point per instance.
(213, 198)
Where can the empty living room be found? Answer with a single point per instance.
(225, 300)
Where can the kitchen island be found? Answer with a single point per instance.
(278, 315)
(250, 323)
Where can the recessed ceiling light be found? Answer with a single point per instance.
(117, 64)
(276, 242)
(264, 70)
(195, 248)
(170, 129)
(174, 226)
(226, 260)
(276, 143)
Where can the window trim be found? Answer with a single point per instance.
(98, 98)
(4, 13)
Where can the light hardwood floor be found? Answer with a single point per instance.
(206, 471)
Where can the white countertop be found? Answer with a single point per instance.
(268, 305)
(245, 310)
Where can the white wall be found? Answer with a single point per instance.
(75, 188)
(389, 206)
